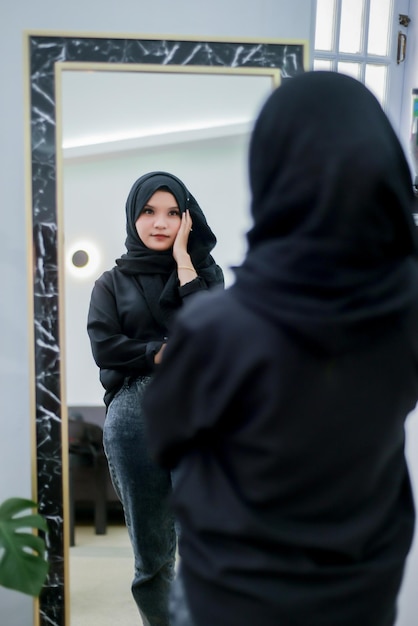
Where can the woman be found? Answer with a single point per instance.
(292, 488)
(131, 311)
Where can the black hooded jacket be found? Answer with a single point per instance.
(284, 413)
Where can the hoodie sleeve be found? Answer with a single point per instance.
(113, 347)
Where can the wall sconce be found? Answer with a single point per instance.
(80, 258)
(83, 259)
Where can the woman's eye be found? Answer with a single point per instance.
(147, 211)
(175, 213)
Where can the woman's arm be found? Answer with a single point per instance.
(185, 268)
(112, 348)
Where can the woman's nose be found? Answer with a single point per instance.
(160, 221)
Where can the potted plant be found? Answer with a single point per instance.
(23, 566)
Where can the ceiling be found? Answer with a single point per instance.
(105, 111)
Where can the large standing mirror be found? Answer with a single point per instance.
(81, 158)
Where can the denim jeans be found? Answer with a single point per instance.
(143, 489)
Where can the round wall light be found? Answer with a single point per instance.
(80, 258)
(83, 259)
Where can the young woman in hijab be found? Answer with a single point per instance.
(168, 260)
(282, 400)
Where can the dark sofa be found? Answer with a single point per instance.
(90, 487)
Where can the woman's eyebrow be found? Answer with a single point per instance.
(151, 206)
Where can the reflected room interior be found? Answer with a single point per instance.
(148, 124)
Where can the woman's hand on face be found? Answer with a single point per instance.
(185, 269)
(180, 244)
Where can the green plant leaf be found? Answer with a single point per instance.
(23, 566)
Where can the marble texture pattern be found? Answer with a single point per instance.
(44, 52)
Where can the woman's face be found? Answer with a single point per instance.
(159, 221)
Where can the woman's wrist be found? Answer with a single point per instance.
(183, 258)
(186, 267)
(185, 263)
(185, 270)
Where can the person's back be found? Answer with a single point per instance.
(285, 397)
(294, 477)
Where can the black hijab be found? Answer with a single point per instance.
(141, 260)
(155, 271)
(332, 251)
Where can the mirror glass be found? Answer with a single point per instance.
(116, 126)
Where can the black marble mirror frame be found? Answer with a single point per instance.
(44, 50)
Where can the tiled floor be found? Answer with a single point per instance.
(101, 570)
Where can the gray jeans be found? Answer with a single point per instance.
(143, 489)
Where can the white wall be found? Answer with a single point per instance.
(235, 18)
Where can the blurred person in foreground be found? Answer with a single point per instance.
(281, 401)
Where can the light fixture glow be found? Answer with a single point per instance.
(82, 259)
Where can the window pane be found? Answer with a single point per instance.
(379, 26)
(322, 64)
(375, 80)
(351, 25)
(352, 69)
(324, 27)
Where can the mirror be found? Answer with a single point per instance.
(49, 58)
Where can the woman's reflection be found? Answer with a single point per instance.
(168, 259)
